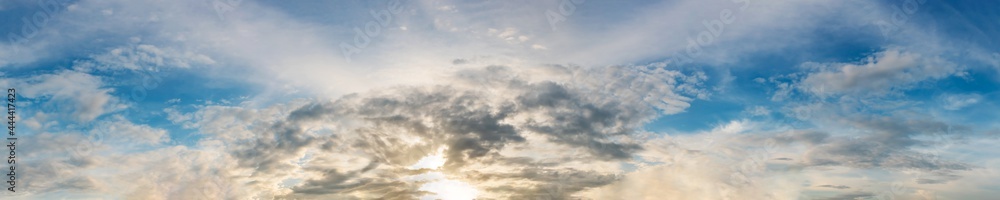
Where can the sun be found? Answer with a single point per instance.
(445, 189)
(437, 183)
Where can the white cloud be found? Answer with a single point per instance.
(79, 96)
(723, 163)
(144, 57)
(118, 129)
(884, 73)
(449, 190)
(334, 145)
(959, 101)
(757, 111)
(518, 125)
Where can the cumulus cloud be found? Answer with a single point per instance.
(73, 94)
(108, 164)
(488, 125)
(744, 159)
(728, 162)
(120, 129)
(861, 124)
(513, 129)
(884, 73)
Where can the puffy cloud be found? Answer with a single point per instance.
(732, 161)
(863, 122)
(511, 132)
(73, 94)
(60, 162)
(745, 159)
(884, 73)
(489, 124)
(117, 129)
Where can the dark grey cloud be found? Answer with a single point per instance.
(835, 186)
(269, 152)
(939, 177)
(803, 136)
(889, 144)
(541, 183)
(849, 196)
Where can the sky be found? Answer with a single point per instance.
(519, 99)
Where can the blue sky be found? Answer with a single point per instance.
(718, 99)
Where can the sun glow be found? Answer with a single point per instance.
(437, 182)
(449, 190)
(430, 161)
